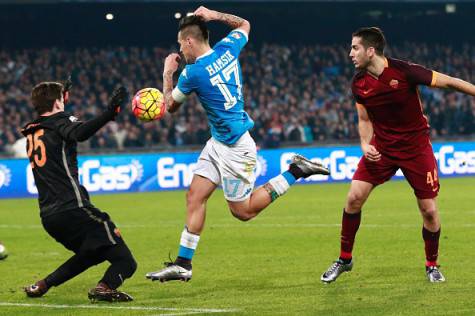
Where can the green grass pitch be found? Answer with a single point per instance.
(268, 266)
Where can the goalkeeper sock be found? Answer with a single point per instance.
(188, 244)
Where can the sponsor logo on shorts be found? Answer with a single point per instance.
(249, 167)
(249, 190)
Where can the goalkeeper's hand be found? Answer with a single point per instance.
(67, 85)
(117, 100)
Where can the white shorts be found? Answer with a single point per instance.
(231, 166)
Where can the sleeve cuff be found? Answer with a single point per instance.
(246, 35)
(178, 96)
(434, 78)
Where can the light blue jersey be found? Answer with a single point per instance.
(216, 79)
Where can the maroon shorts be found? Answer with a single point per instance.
(420, 171)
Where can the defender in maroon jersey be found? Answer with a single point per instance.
(394, 135)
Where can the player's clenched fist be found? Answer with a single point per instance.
(171, 62)
(370, 152)
(205, 13)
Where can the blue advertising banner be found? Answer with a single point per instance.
(172, 171)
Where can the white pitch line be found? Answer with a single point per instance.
(21, 226)
(181, 311)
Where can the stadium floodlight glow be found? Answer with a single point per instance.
(177, 15)
(109, 16)
(189, 13)
(450, 8)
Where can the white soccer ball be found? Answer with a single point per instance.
(3, 252)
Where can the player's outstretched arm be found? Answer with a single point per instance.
(365, 129)
(233, 21)
(448, 82)
(83, 131)
(169, 68)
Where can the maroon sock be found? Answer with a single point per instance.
(431, 241)
(349, 227)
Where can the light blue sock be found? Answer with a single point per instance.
(289, 177)
(188, 244)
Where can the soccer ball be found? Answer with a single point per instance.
(148, 105)
(3, 252)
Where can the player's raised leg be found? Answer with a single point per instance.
(300, 167)
(200, 190)
(357, 196)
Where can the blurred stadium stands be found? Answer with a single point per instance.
(296, 70)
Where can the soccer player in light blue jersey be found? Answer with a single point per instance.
(229, 157)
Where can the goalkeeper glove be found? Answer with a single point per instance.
(67, 85)
(117, 100)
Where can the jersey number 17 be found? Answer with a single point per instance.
(221, 83)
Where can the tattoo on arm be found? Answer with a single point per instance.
(231, 20)
(168, 88)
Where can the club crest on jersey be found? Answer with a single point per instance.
(236, 35)
(394, 83)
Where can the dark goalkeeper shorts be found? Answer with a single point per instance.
(83, 230)
(420, 171)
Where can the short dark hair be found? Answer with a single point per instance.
(45, 94)
(195, 27)
(372, 37)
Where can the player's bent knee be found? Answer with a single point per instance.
(121, 256)
(242, 216)
(129, 266)
(132, 267)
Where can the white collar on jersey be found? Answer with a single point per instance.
(205, 54)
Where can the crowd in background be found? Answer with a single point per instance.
(295, 94)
